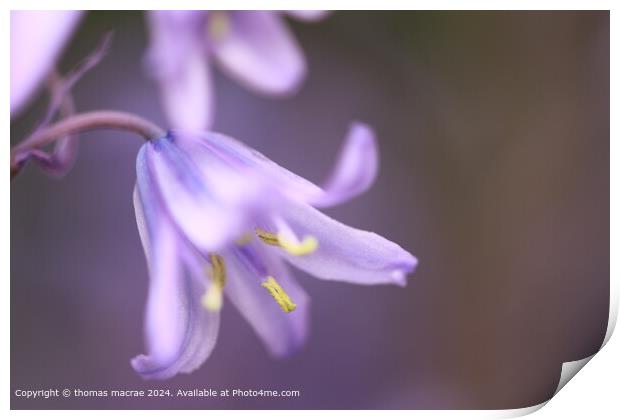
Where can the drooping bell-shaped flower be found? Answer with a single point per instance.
(219, 220)
(253, 47)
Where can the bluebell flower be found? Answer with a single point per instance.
(219, 220)
(255, 48)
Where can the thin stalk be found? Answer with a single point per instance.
(80, 123)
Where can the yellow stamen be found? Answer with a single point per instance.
(212, 299)
(219, 270)
(267, 237)
(307, 245)
(280, 296)
(218, 25)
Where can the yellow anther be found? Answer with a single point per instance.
(280, 296)
(218, 25)
(212, 299)
(267, 237)
(218, 275)
(308, 244)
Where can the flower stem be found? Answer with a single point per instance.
(78, 123)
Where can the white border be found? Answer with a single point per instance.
(322, 4)
(594, 394)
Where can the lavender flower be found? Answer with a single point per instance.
(253, 47)
(37, 38)
(217, 218)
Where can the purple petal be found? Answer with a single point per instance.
(252, 162)
(282, 333)
(209, 202)
(345, 253)
(177, 59)
(202, 334)
(308, 15)
(355, 171)
(180, 334)
(353, 174)
(260, 52)
(166, 316)
(37, 38)
(201, 330)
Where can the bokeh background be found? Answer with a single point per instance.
(494, 140)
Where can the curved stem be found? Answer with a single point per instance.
(85, 122)
(90, 121)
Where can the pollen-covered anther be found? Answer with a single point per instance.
(279, 295)
(306, 246)
(212, 300)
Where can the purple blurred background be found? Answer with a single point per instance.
(494, 140)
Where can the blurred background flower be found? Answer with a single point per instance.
(37, 39)
(253, 47)
(493, 129)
